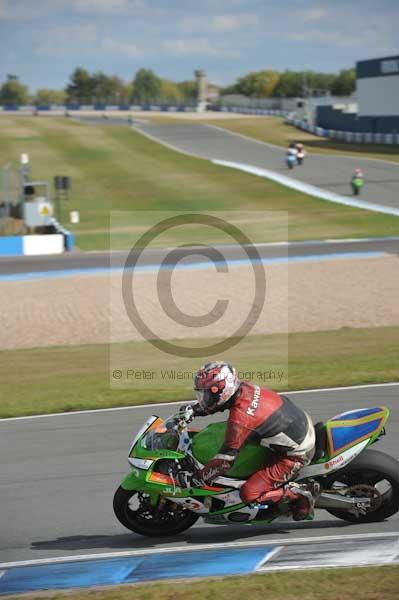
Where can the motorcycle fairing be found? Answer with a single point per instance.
(206, 444)
(357, 413)
(325, 467)
(350, 428)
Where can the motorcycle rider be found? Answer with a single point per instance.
(300, 153)
(291, 156)
(262, 415)
(357, 182)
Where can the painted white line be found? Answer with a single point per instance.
(199, 547)
(309, 189)
(327, 241)
(94, 410)
(2, 573)
(348, 387)
(267, 557)
(178, 402)
(318, 566)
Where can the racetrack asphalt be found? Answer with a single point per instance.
(58, 475)
(329, 172)
(96, 260)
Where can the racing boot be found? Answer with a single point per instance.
(302, 500)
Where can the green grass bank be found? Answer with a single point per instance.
(116, 169)
(59, 379)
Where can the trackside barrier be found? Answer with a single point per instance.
(34, 245)
(255, 111)
(67, 235)
(31, 245)
(97, 107)
(346, 136)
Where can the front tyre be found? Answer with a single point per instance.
(134, 511)
(374, 473)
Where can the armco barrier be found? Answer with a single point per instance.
(346, 136)
(254, 111)
(96, 107)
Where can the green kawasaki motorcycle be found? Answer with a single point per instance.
(356, 484)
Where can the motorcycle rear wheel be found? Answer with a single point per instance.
(376, 470)
(146, 520)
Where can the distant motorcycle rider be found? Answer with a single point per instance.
(270, 419)
(357, 182)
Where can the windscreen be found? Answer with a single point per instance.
(163, 437)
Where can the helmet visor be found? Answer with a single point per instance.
(206, 399)
(200, 395)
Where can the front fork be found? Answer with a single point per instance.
(133, 482)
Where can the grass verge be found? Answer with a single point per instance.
(60, 379)
(275, 130)
(374, 583)
(116, 169)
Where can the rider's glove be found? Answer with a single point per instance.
(186, 413)
(187, 479)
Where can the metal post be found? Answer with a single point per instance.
(6, 187)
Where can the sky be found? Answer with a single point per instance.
(43, 41)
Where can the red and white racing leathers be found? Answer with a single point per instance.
(275, 422)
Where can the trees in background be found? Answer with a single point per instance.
(188, 90)
(45, 96)
(146, 87)
(345, 83)
(12, 92)
(257, 84)
(80, 87)
(170, 92)
(291, 84)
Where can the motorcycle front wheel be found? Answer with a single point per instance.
(372, 474)
(134, 511)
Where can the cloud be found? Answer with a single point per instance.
(3, 9)
(227, 23)
(105, 6)
(123, 49)
(335, 38)
(25, 11)
(314, 14)
(197, 47)
(224, 23)
(63, 40)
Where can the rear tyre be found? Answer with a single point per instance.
(134, 511)
(380, 474)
